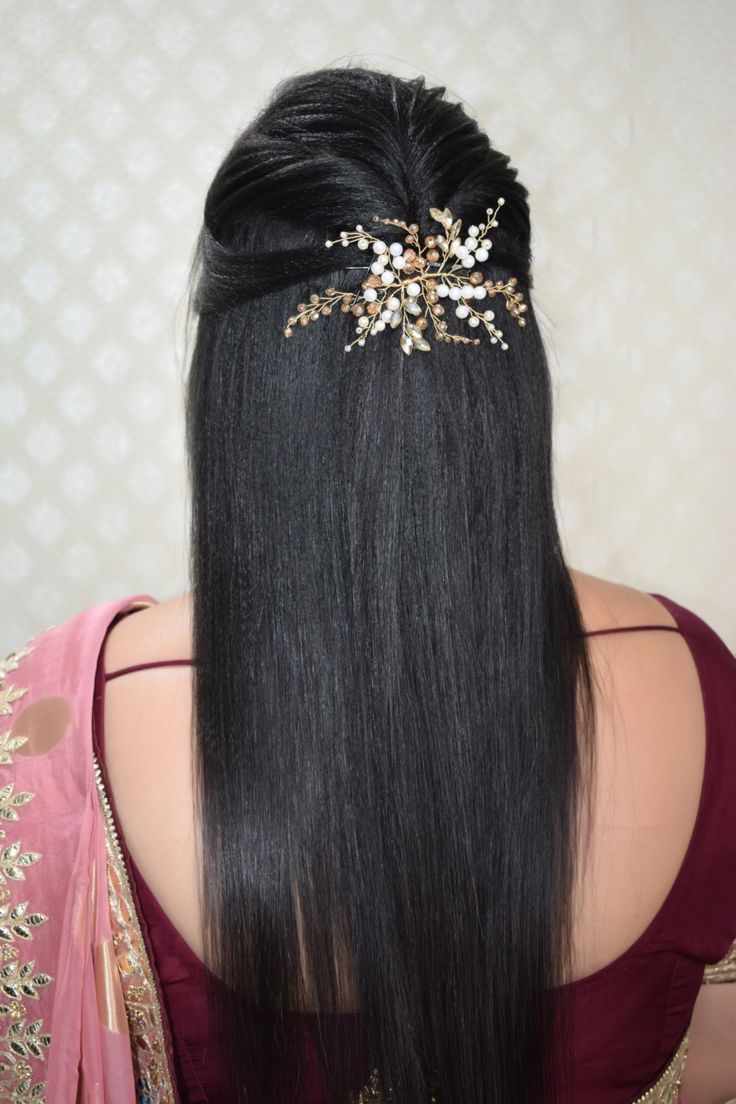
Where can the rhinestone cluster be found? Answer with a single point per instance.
(406, 286)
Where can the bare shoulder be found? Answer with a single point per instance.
(164, 631)
(605, 604)
(155, 632)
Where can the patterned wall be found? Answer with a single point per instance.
(115, 114)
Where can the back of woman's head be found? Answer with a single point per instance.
(388, 644)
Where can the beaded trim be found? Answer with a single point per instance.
(666, 1089)
(154, 1082)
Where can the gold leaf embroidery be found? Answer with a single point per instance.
(12, 859)
(8, 801)
(24, 1043)
(10, 663)
(14, 922)
(8, 695)
(18, 980)
(9, 744)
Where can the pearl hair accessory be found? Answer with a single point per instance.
(399, 278)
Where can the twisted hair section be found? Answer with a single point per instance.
(300, 169)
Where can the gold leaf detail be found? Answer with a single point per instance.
(8, 695)
(14, 922)
(11, 661)
(9, 744)
(24, 1043)
(18, 980)
(12, 860)
(9, 801)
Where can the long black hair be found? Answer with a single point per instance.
(392, 695)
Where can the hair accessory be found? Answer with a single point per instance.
(399, 279)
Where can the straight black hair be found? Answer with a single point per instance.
(393, 697)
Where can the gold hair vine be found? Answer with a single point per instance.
(399, 277)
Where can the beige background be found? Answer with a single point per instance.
(114, 117)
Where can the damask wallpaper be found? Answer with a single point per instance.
(618, 116)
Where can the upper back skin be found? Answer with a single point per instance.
(650, 739)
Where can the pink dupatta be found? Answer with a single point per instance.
(81, 1015)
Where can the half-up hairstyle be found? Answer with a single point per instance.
(392, 691)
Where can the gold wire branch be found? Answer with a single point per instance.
(406, 286)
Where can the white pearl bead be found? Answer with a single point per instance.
(479, 292)
(395, 249)
(386, 315)
(359, 228)
(328, 243)
(481, 254)
(377, 268)
(399, 262)
(488, 315)
(379, 324)
(504, 345)
(364, 322)
(473, 231)
(462, 250)
(345, 242)
(442, 290)
(363, 243)
(413, 289)
(348, 348)
(468, 291)
(379, 247)
(494, 340)
(470, 243)
(388, 276)
(462, 311)
(486, 243)
(455, 293)
(474, 320)
(393, 304)
(370, 294)
(468, 262)
(495, 222)
(500, 201)
(361, 341)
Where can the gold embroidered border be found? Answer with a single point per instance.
(724, 969)
(24, 1041)
(666, 1089)
(154, 1082)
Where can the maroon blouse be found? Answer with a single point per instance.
(629, 1017)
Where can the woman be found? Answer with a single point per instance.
(394, 802)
